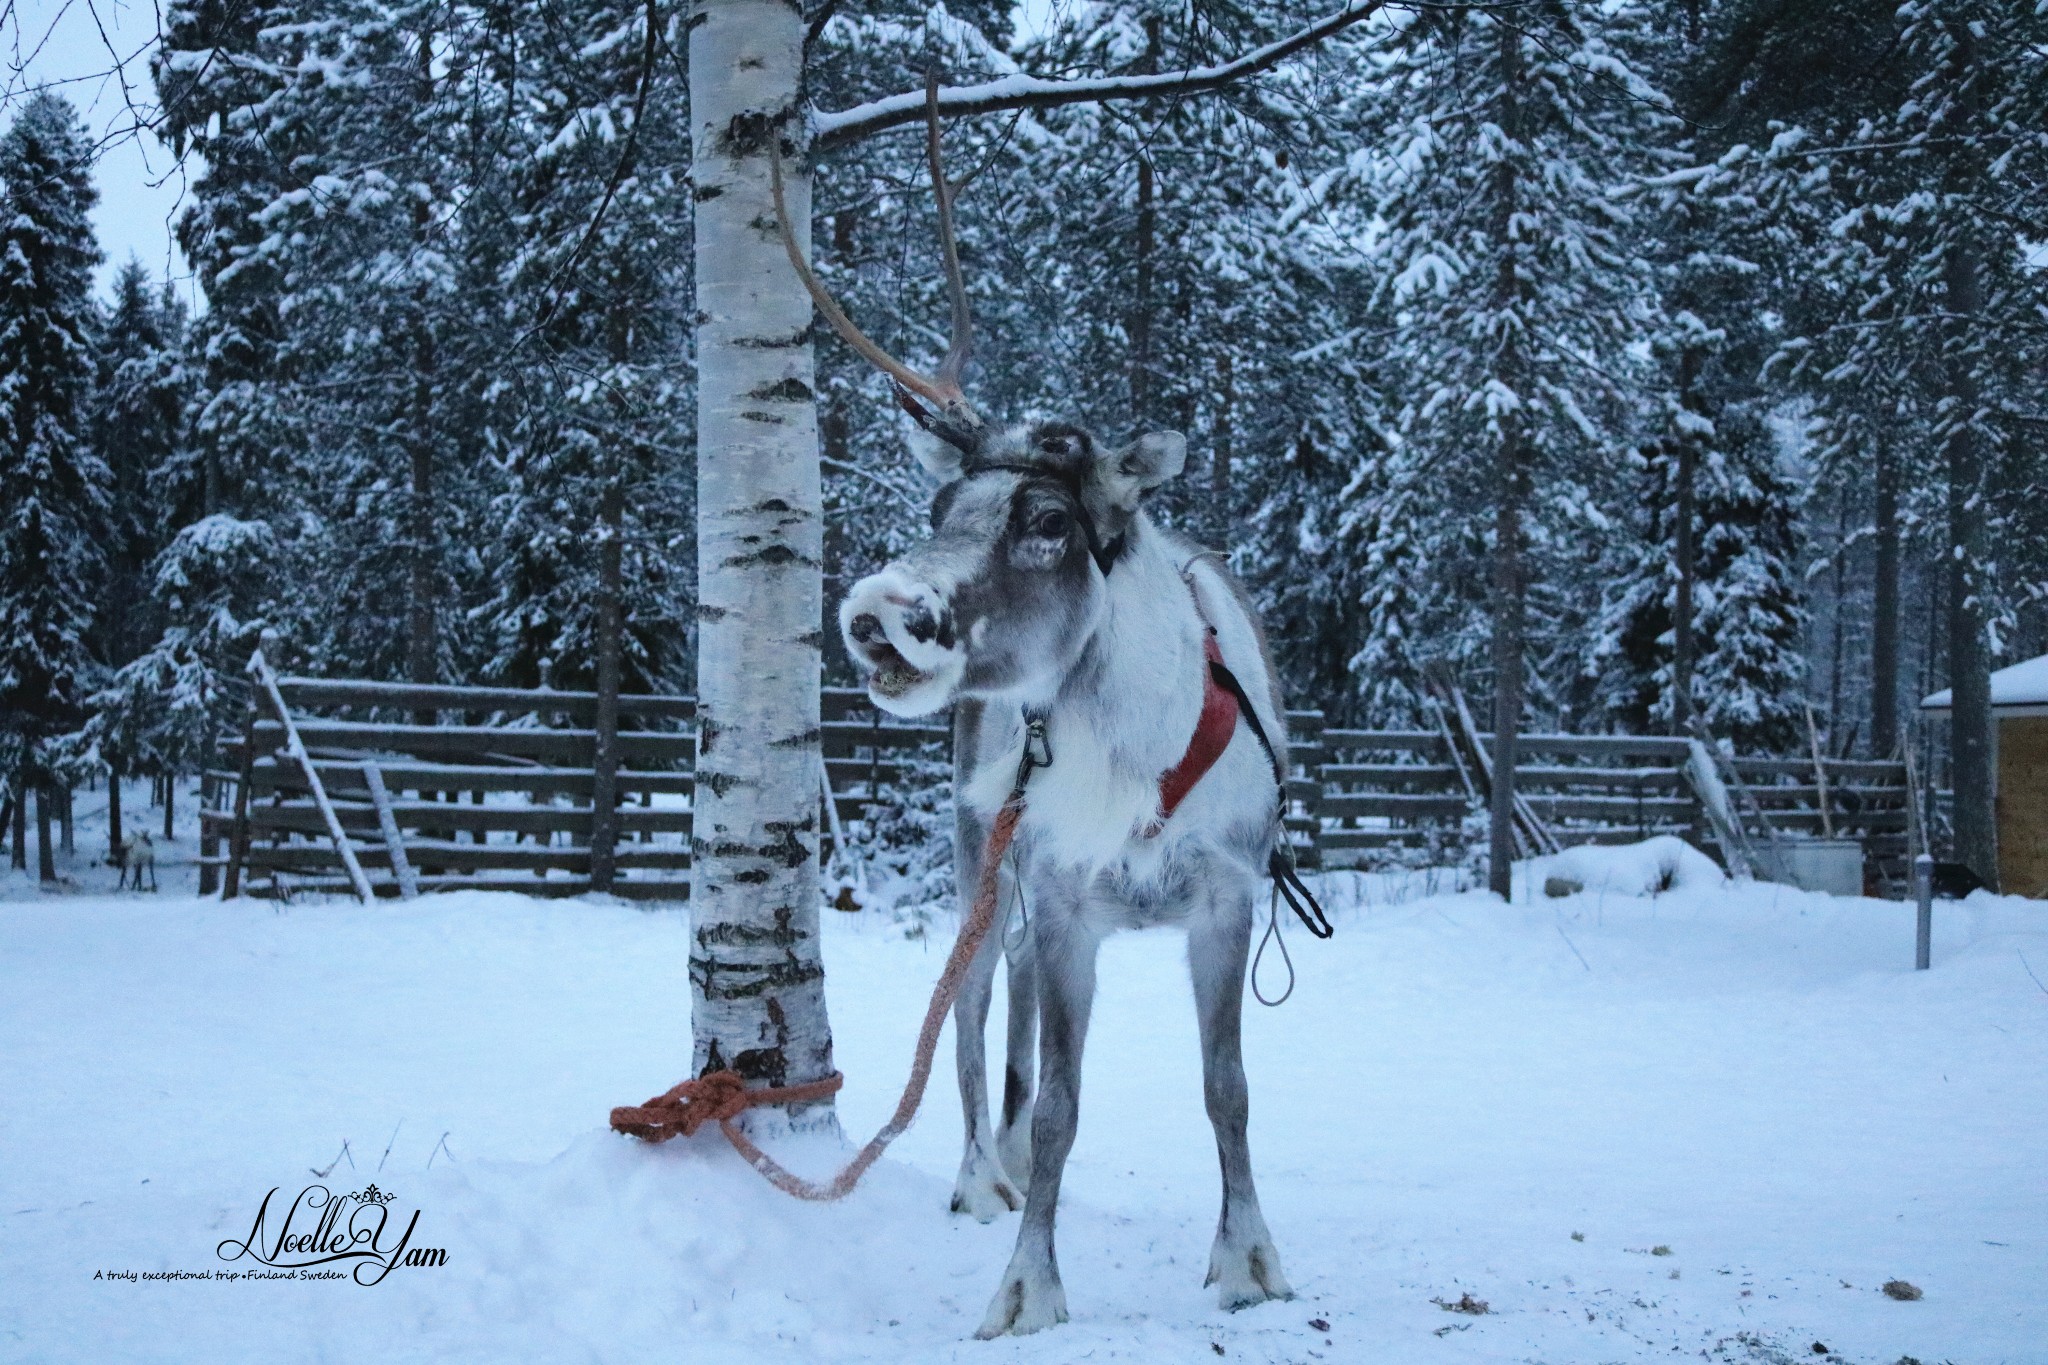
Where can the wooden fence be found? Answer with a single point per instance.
(1392, 795)
(437, 788)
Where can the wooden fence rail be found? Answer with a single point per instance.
(490, 788)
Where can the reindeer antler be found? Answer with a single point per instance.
(956, 421)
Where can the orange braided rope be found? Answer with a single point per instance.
(723, 1095)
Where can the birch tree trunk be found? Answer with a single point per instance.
(757, 989)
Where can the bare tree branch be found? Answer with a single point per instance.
(1031, 92)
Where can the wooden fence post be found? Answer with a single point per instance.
(238, 836)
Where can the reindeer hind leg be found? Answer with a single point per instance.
(1243, 1263)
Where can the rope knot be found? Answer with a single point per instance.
(714, 1097)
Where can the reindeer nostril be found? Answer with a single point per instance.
(867, 628)
(921, 624)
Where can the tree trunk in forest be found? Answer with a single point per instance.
(1969, 608)
(170, 804)
(1969, 655)
(1141, 312)
(1884, 631)
(1144, 250)
(1688, 571)
(1509, 477)
(46, 858)
(757, 988)
(1837, 633)
(65, 841)
(113, 815)
(19, 858)
(422, 647)
(604, 787)
(1222, 454)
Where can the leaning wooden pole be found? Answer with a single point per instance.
(294, 746)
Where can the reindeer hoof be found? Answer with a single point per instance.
(1029, 1301)
(1246, 1274)
(981, 1192)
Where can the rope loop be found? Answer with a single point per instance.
(1272, 935)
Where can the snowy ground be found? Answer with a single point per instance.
(1457, 1094)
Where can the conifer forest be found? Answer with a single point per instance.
(1634, 363)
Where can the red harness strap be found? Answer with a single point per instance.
(1212, 736)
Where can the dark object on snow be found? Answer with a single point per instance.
(1901, 1290)
(1320, 1324)
(1954, 881)
(1558, 887)
(1465, 1304)
(1818, 1349)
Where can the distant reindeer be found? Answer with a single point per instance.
(1047, 602)
(137, 854)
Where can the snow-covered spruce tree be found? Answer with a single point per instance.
(162, 712)
(1517, 295)
(54, 484)
(1976, 129)
(220, 76)
(138, 417)
(1770, 90)
(1716, 233)
(595, 398)
(1748, 678)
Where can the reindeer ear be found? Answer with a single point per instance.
(1142, 466)
(940, 458)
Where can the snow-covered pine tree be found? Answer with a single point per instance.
(220, 76)
(138, 419)
(1716, 226)
(1516, 293)
(1938, 306)
(596, 395)
(55, 483)
(1769, 88)
(1976, 129)
(162, 712)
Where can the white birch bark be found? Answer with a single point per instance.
(757, 988)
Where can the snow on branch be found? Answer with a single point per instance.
(1031, 92)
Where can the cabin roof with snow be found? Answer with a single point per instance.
(2020, 690)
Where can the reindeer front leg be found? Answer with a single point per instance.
(982, 1190)
(1243, 1263)
(1031, 1297)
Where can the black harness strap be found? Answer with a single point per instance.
(1280, 866)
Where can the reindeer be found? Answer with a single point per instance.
(1047, 606)
(137, 852)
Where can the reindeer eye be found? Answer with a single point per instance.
(1053, 445)
(1051, 525)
